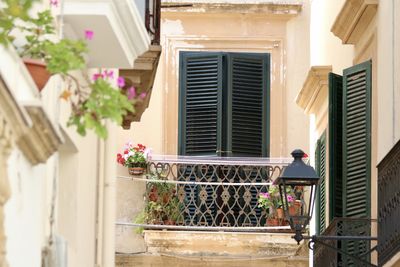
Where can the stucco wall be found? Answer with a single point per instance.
(192, 31)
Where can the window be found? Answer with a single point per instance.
(224, 104)
(224, 111)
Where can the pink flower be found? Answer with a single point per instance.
(89, 34)
(290, 198)
(54, 3)
(121, 82)
(131, 92)
(97, 76)
(109, 74)
(142, 95)
(265, 195)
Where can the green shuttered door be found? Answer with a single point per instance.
(335, 145)
(357, 140)
(224, 104)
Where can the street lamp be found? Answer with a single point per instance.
(301, 178)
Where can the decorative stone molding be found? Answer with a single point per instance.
(277, 8)
(42, 139)
(314, 90)
(13, 122)
(354, 19)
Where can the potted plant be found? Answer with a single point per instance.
(162, 204)
(91, 100)
(173, 211)
(134, 157)
(272, 202)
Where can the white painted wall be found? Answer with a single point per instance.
(326, 48)
(388, 20)
(24, 212)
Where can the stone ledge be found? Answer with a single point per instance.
(276, 8)
(220, 244)
(312, 94)
(353, 19)
(142, 260)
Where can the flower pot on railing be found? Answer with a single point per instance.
(38, 71)
(136, 170)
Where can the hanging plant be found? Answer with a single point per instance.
(93, 100)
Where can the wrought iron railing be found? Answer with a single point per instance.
(202, 193)
(153, 20)
(389, 205)
(332, 253)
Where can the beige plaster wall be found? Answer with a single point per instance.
(298, 62)
(327, 49)
(158, 127)
(247, 33)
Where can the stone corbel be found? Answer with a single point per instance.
(314, 91)
(353, 20)
(42, 139)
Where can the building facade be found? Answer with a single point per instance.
(57, 188)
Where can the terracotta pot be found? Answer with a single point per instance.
(292, 210)
(279, 213)
(169, 222)
(272, 222)
(38, 71)
(136, 170)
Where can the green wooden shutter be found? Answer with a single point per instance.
(200, 117)
(248, 104)
(320, 163)
(247, 120)
(357, 140)
(335, 145)
(200, 106)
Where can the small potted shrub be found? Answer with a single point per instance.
(134, 157)
(162, 204)
(271, 201)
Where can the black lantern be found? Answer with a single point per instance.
(301, 179)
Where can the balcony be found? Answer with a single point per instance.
(215, 204)
(126, 37)
(355, 253)
(389, 206)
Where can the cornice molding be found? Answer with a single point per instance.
(353, 19)
(276, 8)
(42, 139)
(312, 94)
(24, 121)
